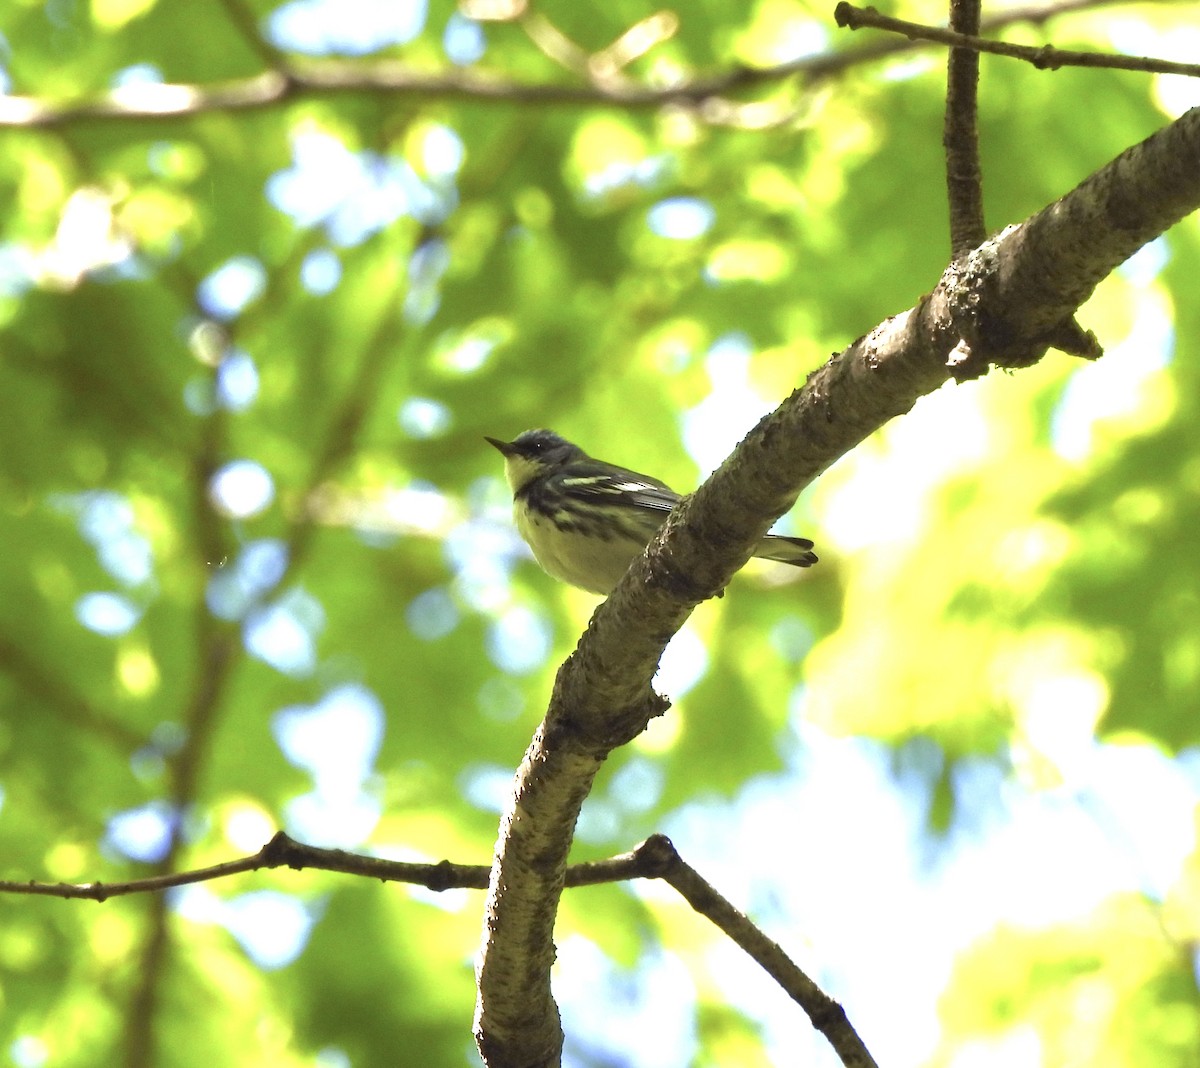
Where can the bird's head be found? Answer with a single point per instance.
(532, 454)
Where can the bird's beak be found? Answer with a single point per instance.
(504, 446)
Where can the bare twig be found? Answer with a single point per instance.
(960, 135)
(1047, 57)
(827, 1015)
(655, 858)
(281, 851)
(281, 84)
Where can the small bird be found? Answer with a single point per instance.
(586, 520)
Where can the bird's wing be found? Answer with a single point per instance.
(619, 486)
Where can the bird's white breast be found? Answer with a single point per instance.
(591, 563)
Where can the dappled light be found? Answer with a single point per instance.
(283, 686)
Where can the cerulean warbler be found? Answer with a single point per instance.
(586, 520)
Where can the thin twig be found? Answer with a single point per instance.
(656, 858)
(276, 86)
(280, 851)
(827, 1015)
(283, 851)
(1047, 57)
(960, 135)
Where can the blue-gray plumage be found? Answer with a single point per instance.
(587, 520)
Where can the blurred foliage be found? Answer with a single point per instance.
(248, 358)
(1105, 991)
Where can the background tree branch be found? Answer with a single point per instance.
(1045, 57)
(283, 82)
(656, 858)
(960, 135)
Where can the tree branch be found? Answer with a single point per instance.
(1047, 57)
(1004, 307)
(283, 851)
(655, 858)
(217, 648)
(827, 1015)
(960, 135)
(280, 84)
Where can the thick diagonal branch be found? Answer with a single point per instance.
(1004, 308)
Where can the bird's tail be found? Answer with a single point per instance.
(797, 551)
